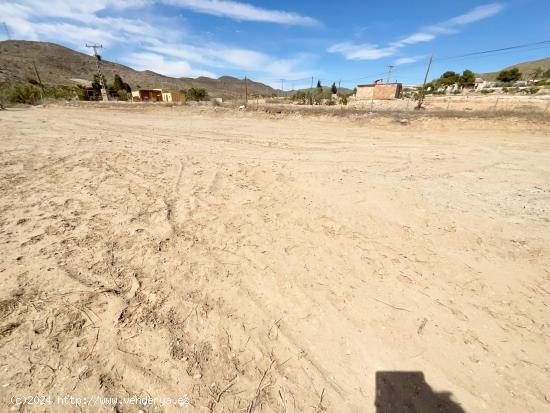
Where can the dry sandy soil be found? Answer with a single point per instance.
(273, 263)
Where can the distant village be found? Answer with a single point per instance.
(508, 81)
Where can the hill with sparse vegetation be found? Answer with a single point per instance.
(526, 68)
(59, 65)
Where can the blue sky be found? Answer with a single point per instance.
(352, 41)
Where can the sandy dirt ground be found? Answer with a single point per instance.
(248, 262)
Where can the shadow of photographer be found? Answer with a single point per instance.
(408, 392)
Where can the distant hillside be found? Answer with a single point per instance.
(58, 65)
(525, 68)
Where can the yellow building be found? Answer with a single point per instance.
(173, 97)
(147, 95)
(157, 95)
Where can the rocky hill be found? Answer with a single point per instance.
(60, 65)
(525, 67)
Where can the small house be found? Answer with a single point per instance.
(479, 83)
(379, 91)
(173, 97)
(147, 95)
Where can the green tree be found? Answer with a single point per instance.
(196, 94)
(319, 86)
(536, 73)
(449, 78)
(507, 76)
(119, 88)
(467, 79)
(334, 89)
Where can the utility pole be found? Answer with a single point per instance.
(423, 91)
(7, 31)
(37, 74)
(339, 82)
(283, 86)
(390, 68)
(98, 60)
(245, 91)
(311, 92)
(39, 81)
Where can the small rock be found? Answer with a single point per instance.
(197, 376)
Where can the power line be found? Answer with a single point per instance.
(494, 50)
(435, 60)
(539, 45)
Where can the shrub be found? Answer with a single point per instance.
(512, 75)
(300, 97)
(31, 94)
(19, 93)
(196, 94)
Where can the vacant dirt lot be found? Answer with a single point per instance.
(247, 262)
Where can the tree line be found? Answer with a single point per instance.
(467, 78)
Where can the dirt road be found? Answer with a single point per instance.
(246, 262)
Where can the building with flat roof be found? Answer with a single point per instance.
(379, 91)
(147, 95)
(173, 97)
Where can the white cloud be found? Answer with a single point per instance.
(407, 60)
(373, 52)
(159, 64)
(479, 13)
(148, 44)
(224, 56)
(417, 38)
(243, 11)
(366, 51)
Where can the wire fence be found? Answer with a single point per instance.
(474, 106)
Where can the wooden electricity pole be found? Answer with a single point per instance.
(101, 79)
(423, 91)
(39, 81)
(37, 74)
(311, 92)
(245, 91)
(390, 68)
(7, 31)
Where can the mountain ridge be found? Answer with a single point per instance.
(60, 65)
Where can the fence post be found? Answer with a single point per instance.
(496, 103)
